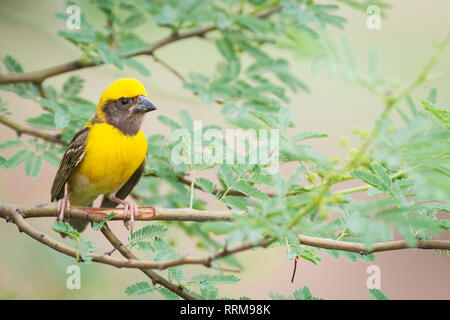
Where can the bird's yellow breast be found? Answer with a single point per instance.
(110, 159)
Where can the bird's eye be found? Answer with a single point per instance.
(124, 100)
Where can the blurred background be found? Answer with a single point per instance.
(29, 270)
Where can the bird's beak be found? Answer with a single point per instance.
(144, 105)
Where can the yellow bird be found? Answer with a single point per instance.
(108, 155)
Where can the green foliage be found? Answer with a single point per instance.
(83, 247)
(299, 294)
(376, 294)
(97, 226)
(3, 162)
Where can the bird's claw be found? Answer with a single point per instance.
(63, 205)
(132, 210)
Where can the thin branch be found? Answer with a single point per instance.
(23, 226)
(20, 129)
(132, 261)
(111, 40)
(168, 67)
(41, 90)
(225, 252)
(295, 269)
(96, 214)
(39, 76)
(325, 243)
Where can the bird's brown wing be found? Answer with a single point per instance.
(71, 159)
(126, 189)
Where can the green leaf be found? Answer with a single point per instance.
(225, 174)
(85, 248)
(62, 120)
(33, 163)
(252, 23)
(98, 225)
(43, 121)
(167, 293)
(250, 190)
(294, 249)
(51, 158)
(12, 65)
(234, 202)
(66, 228)
(53, 105)
(139, 289)
(299, 294)
(186, 120)
(168, 122)
(370, 179)
(138, 66)
(411, 105)
(105, 53)
(438, 206)
(72, 87)
(215, 278)
(206, 185)
(17, 158)
(432, 96)
(78, 37)
(11, 143)
(264, 179)
(225, 47)
(376, 294)
(147, 232)
(3, 162)
(381, 172)
(167, 16)
(308, 135)
(441, 114)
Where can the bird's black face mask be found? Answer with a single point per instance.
(127, 114)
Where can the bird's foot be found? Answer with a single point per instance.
(132, 209)
(129, 210)
(63, 205)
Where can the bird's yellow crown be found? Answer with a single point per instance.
(125, 87)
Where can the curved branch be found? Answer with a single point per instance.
(23, 226)
(38, 77)
(132, 261)
(20, 129)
